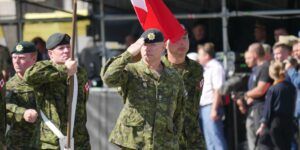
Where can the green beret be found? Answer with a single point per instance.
(57, 39)
(152, 36)
(24, 47)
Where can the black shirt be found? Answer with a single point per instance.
(260, 73)
(280, 102)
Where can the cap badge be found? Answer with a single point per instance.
(19, 47)
(151, 36)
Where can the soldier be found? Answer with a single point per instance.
(2, 104)
(192, 74)
(49, 80)
(153, 94)
(20, 100)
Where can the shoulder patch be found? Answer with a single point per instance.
(86, 87)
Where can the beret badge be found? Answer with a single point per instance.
(19, 47)
(151, 36)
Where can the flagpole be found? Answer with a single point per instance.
(71, 78)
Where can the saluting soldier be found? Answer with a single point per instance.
(49, 80)
(153, 95)
(192, 74)
(20, 101)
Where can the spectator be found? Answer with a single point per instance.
(258, 86)
(279, 109)
(268, 52)
(281, 51)
(294, 77)
(260, 33)
(278, 32)
(211, 110)
(40, 45)
(198, 37)
(250, 61)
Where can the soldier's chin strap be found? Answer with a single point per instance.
(55, 130)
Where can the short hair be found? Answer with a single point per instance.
(209, 48)
(283, 46)
(267, 48)
(258, 49)
(281, 28)
(37, 40)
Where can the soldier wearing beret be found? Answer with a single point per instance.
(21, 111)
(192, 74)
(49, 80)
(153, 96)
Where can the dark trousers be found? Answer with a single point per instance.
(281, 132)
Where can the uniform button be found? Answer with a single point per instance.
(159, 97)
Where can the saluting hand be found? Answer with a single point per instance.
(135, 48)
(71, 66)
(30, 115)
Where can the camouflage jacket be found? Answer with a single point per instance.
(2, 104)
(152, 115)
(50, 83)
(20, 97)
(192, 74)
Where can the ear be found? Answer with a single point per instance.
(50, 53)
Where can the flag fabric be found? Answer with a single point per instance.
(155, 14)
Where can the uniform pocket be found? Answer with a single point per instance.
(131, 117)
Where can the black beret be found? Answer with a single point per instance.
(152, 36)
(24, 47)
(57, 39)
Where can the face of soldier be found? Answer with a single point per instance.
(280, 54)
(60, 53)
(250, 59)
(296, 50)
(23, 61)
(180, 47)
(151, 52)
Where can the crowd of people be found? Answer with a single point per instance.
(171, 101)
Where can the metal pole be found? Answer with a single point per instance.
(71, 78)
(104, 54)
(225, 16)
(235, 127)
(102, 28)
(19, 13)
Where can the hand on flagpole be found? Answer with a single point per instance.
(135, 48)
(71, 66)
(30, 115)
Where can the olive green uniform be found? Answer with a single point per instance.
(152, 116)
(49, 81)
(20, 96)
(192, 74)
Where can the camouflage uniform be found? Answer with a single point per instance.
(192, 74)
(50, 83)
(152, 116)
(2, 104)
(20, 97)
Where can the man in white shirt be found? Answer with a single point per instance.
(210, 102)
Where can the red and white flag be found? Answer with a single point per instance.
(155, 14)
